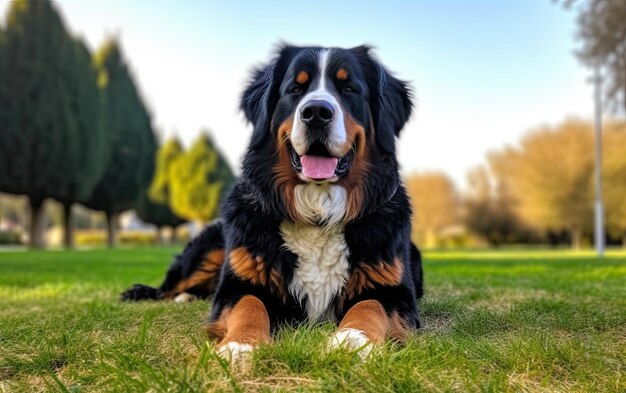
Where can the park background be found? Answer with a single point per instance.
(120, 133)
(115, 120)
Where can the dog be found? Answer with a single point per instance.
(317, 228)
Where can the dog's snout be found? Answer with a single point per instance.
(317, 113)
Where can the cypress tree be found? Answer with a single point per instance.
(88, 151)
(127, 123)
(4, 98)
(198, 181)
(151, 206)
(38, 124)
(160, 215)
(159, 191)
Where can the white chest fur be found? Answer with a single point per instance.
(322, 266)
(322, 250)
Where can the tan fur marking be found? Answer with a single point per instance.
(355, 178)
(285, 177)
(342, 74)
(247, 322)
(253, 269)
(369, 317)
(302, 77)
(204, 276)
(247, 267)
(398, 329)
(366, 276)
(277, 285)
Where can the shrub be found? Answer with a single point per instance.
(137, 238)
(10, 237)
(90, 238)
(99, 238)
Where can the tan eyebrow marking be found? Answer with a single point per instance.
(342, 74)
(302, 77)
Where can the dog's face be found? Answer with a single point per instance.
(324, 97)
(329, 116)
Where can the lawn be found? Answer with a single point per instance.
(495, 321)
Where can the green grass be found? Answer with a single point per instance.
(496, 321)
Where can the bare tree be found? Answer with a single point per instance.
(602, 32)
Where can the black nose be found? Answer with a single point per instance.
(317, 113)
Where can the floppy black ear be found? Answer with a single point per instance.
(255, 102)
(390, 100)
(261, 95)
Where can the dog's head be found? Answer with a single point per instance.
(326, 116)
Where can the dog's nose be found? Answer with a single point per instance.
(317, 113)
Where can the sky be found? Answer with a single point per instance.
(483, 72)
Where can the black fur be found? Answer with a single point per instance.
(256, 207)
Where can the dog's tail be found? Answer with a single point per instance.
(416, 269)
(195, 271)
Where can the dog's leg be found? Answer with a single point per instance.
(241, 328)
(365, 324)
(194, 271)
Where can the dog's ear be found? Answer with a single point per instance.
(394, 108)
(261, 94)
(390, 100)
(255, 102)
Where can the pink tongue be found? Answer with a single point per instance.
(318, 167)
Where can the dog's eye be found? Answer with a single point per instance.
(348, 89)
(295, 90)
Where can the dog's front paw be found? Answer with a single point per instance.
(235, 352)
(352, 340)
(139, 292)
(185, 298)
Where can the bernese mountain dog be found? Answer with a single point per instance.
(317, 228)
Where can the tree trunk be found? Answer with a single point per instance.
(112, 229)
(576, 235)
(68, 225)
(174, 241)
(624, 241)
(36, 222)
(160, 240)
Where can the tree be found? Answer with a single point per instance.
(157, 214)
(551, 174)
(198, 181)
(436, 206)
(614, 176)
(37, 125)
(551, 178)
(159, 191)
(152, 205)
(490, 206)
(602, 30)
(3, 94)
(87, 149)
(131, 161)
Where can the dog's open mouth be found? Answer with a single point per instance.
(318, 164)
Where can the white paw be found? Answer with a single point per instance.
(185, 298)
(352, 340)
(235, 351)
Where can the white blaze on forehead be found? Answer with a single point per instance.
(323, 65)
(337, 130)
